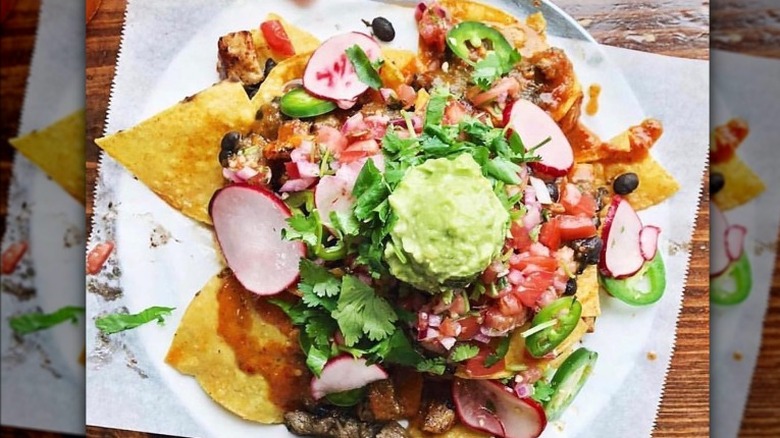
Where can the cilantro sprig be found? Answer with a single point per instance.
(36, 321)
(118, 322)
(366, 70)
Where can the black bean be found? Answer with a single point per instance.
(553, 189)
(716, 182)
(383, 29)
(224, 156)
(571, 287)
(269, 65)
(587, 251)
(230, 141)
(625, 183)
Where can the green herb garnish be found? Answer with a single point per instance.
(364, 68)
(117, 322)
(35, 321)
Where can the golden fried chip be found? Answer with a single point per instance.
(588, 292)
(198, 350)
(742, 184)
(655, 183)
(59, 151)
(465, 10)
(399, 67)
(174, 152)
(302, 41)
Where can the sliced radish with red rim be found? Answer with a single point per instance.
(648, 241)
(719, 258)
(491, 407)
(344, 373)
(534, 127)
(735, 241)
(248, 221)
(621, 255)
(333, 195)
(330, 74)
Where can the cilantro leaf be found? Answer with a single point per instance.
(317, 355)
(542, 391)
(361, 312)
(436, 365)
(371, 191)
(500, 353)
(434, 113)
(320, 328)
(305, 228)
(463, 352)
(346, 224)
(364, 69)
(487, 70)
(117, 322)
(35, 321)
(298, 312)
(397, 349)
(318, 280)
(503, 170)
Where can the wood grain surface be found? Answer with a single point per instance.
(672, 27)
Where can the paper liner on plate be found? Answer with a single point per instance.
(615, 402)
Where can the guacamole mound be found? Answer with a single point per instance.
(450, 225)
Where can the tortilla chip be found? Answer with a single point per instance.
(655, 183)
(742, 184)
(457, 431)
(175, 151)
(58, 150)
(588, 292)
(395, 71)
(302, 41)
(465, 10)
(198, 350)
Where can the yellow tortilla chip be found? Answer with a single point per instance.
(198, 350)
(399, 67)
(59, 151)
(174, 153)
(302, 41)
(588, 292)
(472, 11)
(742, 184)
(655, 183)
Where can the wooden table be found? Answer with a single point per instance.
(677, 27)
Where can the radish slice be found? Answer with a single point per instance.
(648, 241)
(735, 241)
(534, 126)
(248, 221)
(719, 258)
(510, 416)
(333, 194)
(621, 255)
(344, 373)
(329, 73)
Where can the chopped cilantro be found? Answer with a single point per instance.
(436, 365)
(117, 322)
(542, 391)
(463, 352)
(316, 279)
(361, 312)
(364, 68)
(501, 350)
(35, 321)
(487, 70)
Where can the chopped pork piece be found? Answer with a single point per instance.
(238, 59)
(438, 416)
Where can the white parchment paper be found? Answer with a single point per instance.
(169, 51)
(42, 380)
(746, 87)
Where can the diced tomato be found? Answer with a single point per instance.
(469, 327)
(98, 256)
(332, 138)
(521, 240)
(576, 202)
(277, 38)
(369, 146)
(475, 366)
(406, 95)
(12, 256)
(510, 305)
(535, 284)
(450, 327)
(459, 305)
(548, 264)
(576, 227)
(292, 170)
(434, 25)
(493, 271)
(454, 113)
(550, 234)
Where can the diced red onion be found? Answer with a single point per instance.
(434, 321)
(377, 125)
(308, 169)
(388, 94)
(431, 333)
(487, 331)
(524, 390)
(447, 342)
(515, 277)
(539, 249)
(354, 123)
(479, 337)
(532, 218)
(346, 104)
(230, 175)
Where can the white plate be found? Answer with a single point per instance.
(171, 274)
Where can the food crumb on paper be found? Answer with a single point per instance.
(651, 355)
(160, 236)
(560, 425)
(737, 356)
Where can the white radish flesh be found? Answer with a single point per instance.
(330, 74)
(248, 222)
(344, 373)
(333, 195)
(735, 241)
(534, 126)
(621, 255)
(648, 241)
(719, 258)
(510, 417)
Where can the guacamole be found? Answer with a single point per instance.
(450, 224)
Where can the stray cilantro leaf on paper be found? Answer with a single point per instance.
(117, 322)
(35, 321)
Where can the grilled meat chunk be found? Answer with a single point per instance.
(336, 424)
(438, 416)
(237, 58)
(383, 401)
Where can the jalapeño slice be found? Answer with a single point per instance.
(733, 286)
(645, 287)
(558, 320)
(299, 103)
(347, 398)
(569, 380)
(475, 34)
